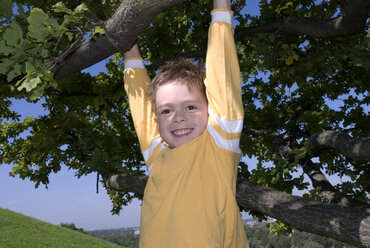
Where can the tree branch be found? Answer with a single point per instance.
(121, 30)
(316, 217)
(357, 149)
(321, 218)
(351, 21)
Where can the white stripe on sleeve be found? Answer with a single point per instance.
(134, 63)
(148, 152)
(231, 145)
(234, 126)
(222, 16)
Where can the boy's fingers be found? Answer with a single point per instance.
(222, 4)
(133, 52)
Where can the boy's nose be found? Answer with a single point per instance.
(178, 117)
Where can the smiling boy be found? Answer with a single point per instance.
(189, 125)
(180, 103)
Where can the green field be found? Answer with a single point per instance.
(19, 231)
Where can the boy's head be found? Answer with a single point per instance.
(179, 101)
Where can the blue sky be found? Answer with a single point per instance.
(68, 199)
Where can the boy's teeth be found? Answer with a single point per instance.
(182, 132)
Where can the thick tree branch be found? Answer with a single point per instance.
(316, 217)
(324, 219)
(356, 149)
(351, 21)
(121, 30)
(126, 183)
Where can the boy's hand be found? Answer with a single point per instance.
(222, 4)
(133, 52)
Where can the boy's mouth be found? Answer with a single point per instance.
(182, 132)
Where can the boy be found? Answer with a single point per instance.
(189, 137)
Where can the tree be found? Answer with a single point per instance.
(305, 68)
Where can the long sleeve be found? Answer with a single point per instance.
(136, 86)
(223, 83)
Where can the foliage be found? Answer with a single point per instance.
(125, 236)
(72, 226)
(31, 38)
(294, 86)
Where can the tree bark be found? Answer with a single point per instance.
(346, 224)
(134, 16)
(341, 223)
(121, 31)
(356, 149)
(351, 21)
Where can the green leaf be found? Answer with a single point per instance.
(45, 75)
(37, 24)
(98, 30)
(80, 8)
(30, 69)
(44, 53)
(289, 60)
(30, 84)
(36, 94)
(4, 49)
(37, 17)
(61, 7)
(13, 34)
(5, 66)
(70, 19)
(69, 35)
(5, 9)
(16, 71)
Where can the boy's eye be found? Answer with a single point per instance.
(165, 112)
(191, 107)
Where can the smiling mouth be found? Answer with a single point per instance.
(182, 132)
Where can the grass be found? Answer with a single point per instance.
(19, 231)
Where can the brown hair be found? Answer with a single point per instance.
(182, 71)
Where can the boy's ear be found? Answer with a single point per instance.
(156, 120)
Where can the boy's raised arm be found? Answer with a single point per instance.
(223, 83)
(133, 52)
(136, 86)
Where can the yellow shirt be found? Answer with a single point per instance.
(189, 200)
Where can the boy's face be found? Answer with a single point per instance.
(181, 114)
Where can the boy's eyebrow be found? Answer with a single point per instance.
(163, 105)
